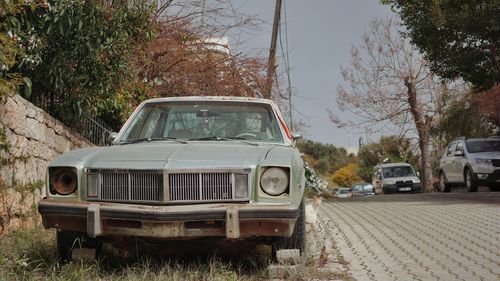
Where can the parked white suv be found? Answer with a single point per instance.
(471, 162)
(396, 178)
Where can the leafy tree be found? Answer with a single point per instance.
(463, 118)
(17, 44)
(336, 157)
(459, 38)
(322, 166)
(87, 52)
(181, 62)
(346, 176)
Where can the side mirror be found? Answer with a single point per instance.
(459, 153)
(297, 137)
(112, 136)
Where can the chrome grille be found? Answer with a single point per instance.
(129, 185)
(201, 187)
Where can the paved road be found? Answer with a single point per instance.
(453, 236)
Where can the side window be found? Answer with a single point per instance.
(451, 149)
(460, 147)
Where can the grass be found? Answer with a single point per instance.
(30, 254)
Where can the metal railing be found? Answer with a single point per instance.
(92, 128)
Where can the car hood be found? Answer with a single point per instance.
(160, 155)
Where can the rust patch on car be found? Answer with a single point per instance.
(265, 228)
(72, 223)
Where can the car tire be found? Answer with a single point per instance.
(470, 181)
(69, 240)
(298, 238)
(444, 186)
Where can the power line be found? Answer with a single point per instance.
(286, 60)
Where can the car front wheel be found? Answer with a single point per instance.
(470, 181)
(69, 240)
(443, 185)
(298, 238)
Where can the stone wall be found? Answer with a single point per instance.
(29, 139)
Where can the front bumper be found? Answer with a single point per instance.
(489, 178)
(232, 221)
(416, 187)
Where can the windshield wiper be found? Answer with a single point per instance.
(215, 138)
(151, 139)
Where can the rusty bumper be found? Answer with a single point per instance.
(232, 221)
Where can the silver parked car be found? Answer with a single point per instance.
(183, 168)
(471, 162)
(362, 189)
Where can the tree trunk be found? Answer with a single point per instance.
(423, 134)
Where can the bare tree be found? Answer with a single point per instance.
(388, 82)
(190, 53)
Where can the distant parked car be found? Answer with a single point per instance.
(362, 189)
(471, 162)
(396, 178)
(343, 192)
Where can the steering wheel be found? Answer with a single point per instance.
(243, 135)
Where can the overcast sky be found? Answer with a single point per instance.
(320, 34)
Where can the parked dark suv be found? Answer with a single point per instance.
(471, 162)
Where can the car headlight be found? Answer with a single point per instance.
(274, 181)
(63, 180)
(482, 161)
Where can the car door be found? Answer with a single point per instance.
(377, 178)
(447, 162)
(459, 162)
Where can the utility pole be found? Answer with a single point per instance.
(272, 51)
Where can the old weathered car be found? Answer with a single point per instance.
(182, 168)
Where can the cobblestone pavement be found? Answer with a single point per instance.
(435, 236)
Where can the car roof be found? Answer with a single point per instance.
(394, 164)
(484, 139)
(211, 98)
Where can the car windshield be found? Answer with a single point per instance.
(398, 171)
(482, 146)
(362, 187)
(204, 121)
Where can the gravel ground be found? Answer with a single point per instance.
(435, 236)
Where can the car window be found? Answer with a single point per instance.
(460, 147)
(368, 187)
(398, 171)
(451, 149)
(483, 146)
(195, 120)
(357, 187)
